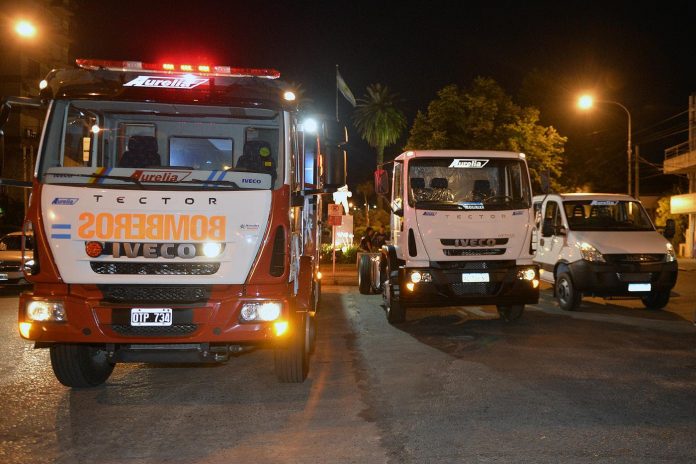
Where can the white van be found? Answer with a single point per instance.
(605, 245)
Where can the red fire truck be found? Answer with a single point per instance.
(175, 212)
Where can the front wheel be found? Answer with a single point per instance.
(80, 366)
(510, 313)
(292, 355)
(568, 297)
(396, 311)
(657, 299)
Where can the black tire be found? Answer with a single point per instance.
(396, 311)
(80, 366)
(292, 357)
(511, 313)
(364, 275)
(316, 297)
(568, 297)
(312, 332)
(657, 299)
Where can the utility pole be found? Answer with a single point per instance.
(637, 169)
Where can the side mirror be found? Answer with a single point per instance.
(545, 179)
(397, 208)
(547, 229)
(381, 182)
(670, 229)
(336, 138)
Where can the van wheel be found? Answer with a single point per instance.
(656, 299)
(511, 313)
(568, 297)
(292, 355)
(364, 275)
(80, 366)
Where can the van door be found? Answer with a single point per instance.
(552, 238)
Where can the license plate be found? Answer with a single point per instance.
(3, 276)
(151, 316)
(476, 277)
(639, 287)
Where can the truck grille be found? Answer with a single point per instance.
(635, 258)
(473, 265)
(104, 267)
(144, 293)
(9, 267)
(478, 288)
(474, 252)
(169, 331)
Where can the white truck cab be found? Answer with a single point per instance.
(462, 233)
(603, 245)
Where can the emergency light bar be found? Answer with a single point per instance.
(171, 68)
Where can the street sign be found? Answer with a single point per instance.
(335, 220)
(335, 209)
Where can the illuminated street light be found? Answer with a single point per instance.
(25, 29)
(586, 102)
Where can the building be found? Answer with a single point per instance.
(681, 159)
(35, 37)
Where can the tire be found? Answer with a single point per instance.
(657, 299)
(511, 313)
(292, 357)
(80, 366)
(568, 297)
(364, 275)
(316, 297)
(396, 311)
(312, 332)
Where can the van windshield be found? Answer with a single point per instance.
(468, 184)
(606, 215)
(141, 144)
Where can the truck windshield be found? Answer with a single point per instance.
(606, 215)
(173, 145)
(468, 184)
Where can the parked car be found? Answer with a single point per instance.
(602, 245)
(11, 258)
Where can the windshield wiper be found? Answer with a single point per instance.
(438, 204)
(228, 183)
(98, 176)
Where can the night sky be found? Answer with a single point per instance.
(640, 55)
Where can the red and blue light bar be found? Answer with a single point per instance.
(172, 68)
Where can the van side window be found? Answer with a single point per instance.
(552, 214)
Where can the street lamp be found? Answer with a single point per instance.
(25, 29)
(585, 102)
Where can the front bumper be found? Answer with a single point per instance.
(448, 289)
(94, 318)
(613, 279)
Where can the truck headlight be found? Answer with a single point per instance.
(421, 276)
(53, 311)
(590, 253)
(671, 255)
(527, 273)
(212, 249)
(261, 311)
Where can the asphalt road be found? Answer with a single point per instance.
(609, 383)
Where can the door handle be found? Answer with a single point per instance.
(541, 241)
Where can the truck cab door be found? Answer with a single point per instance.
(552, 238)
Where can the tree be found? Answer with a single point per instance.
(378, 119)
(483, 117)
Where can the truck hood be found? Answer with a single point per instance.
(463, 235)
(607, 242)
(153, 236)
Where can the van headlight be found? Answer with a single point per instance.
(261, 311)
(46, 311)
(590, 253)
(671, 255)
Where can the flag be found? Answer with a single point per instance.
(343, 87)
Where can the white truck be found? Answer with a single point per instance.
(175, 211)
(600, 244)
(462, 233)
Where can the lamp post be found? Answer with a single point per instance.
(586, 102)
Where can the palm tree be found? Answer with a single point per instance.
(378, 120)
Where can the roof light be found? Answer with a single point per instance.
(222, 71)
